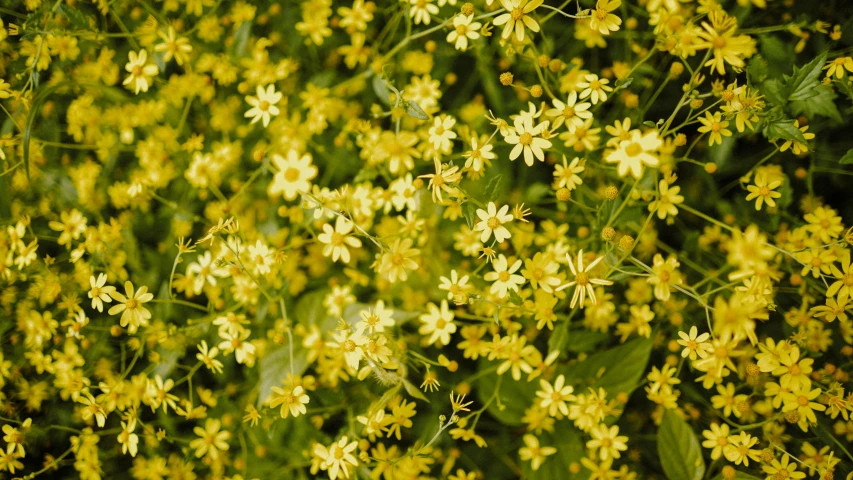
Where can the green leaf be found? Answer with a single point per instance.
(624, 83)
(413, 391)
(801, 85)
(584, 341)
(515, 396)
(241, 39)
(617, 370)
(785, 130)
(275, 366)
(493, 187)
(310, 310)
(536, 192)
(756, 70)
(514, 298)
(847, 159)
(679, 450)
(822, 103)
(772, 92)
(75, 16)
(470, 213)
(414, 110)
(380, 86)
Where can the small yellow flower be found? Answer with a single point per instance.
(141, 71)
(518, 17)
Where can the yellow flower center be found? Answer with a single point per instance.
(461, 29)
(291, 174)
(633, 149)
(264, 105)
(131, 304)
(493, 223)
(582, 279)
(802, 400)
(503, 276)
(348, 346)
(525, 139)
(719, 43)
(440, 324)
(764, 191)
(517, 14)
(848, 280)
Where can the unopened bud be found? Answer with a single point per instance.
(608, 234)
(564, 194)
(626, 242)
(611, 192)
(506, 79)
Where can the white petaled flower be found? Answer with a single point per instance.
(504, 277)
(440, 134)
(463, 30)
(491, 221)
(582, 282)
(264, 105)
(527, 140)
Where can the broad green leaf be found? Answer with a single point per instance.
(847, 159)
(756, 70)
(493, 187)
(559, 337)
(275, 366)
(679, 450)
(618, 369)
(822, 103)
(772, 92)
(584, 341)
(310, 310)
(414, 110)
(801, 85)
(785, 130)
(515, 396)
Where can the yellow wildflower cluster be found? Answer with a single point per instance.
(426, 239)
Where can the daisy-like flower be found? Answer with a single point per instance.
(463, 30)
(719, 35)
(533, 452)
(594, 88)
(422, 11)
(292, 401)
(479, 155)
(443, 180)
(263, 105)
(636, 153)
(351, 345)
(554, 397)
(607, 441)
(438, 324)
(141, 71)
(763, 191)
(211, 441)
(715, 127)
(602, 20)
(566, 174)
(527, 140)
(504, 276)
(376, 319)
(571, 112)
(100, 292)
(440, 134)
(783, 469)
(340, 456)
(838, 66)
(173, 46)
(665, 206)
(798, 148)
(843, 286)
(127, 439)
(518, 17)
(133, 313)
(583, 283)
(208, 357)
(455, 285)
(294, 175)
(337, 239)
(491, 221)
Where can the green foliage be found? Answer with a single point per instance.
(678, 449)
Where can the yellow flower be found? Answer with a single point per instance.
(340, 457)
(463, 30)
(798, 148)
(838, 66)
(554, 397)
(607, 441)
(293, 175)
(716, 439)
(263, 105)
(99, 292)
(719, 36)
(173, 46)
(694, 345)
(665, 205)
(517, 17)
(492, 221)
(843, 286)
(763, 191)
(784, 469)
(527, 140)
(602, 20)
(438, 324)
(141, 71)
(422, 10)
(211, 440)
(504, 277)
(292, 401)
(533, 452)
(443, 180)
(715, 126)
(594, 88)
(582, 282)
(337, 239)
(127, 439)
(133, 313)
(635, 153)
